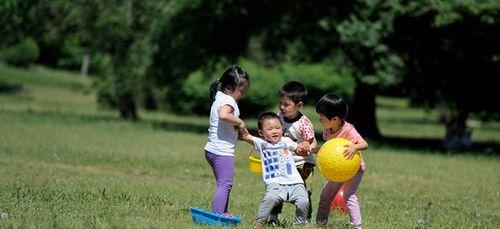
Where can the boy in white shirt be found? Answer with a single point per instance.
(299, 128)
(283, 181)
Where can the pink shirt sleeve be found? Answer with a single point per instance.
(348, 132)
(353, 135)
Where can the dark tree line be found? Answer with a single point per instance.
(442, 53)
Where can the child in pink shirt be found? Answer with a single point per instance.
(332, 111)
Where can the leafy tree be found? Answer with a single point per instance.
(451, 51)
(17, 21)
(22, 54)
(301, 31)
(385, 43)
(359, 31)
(196, 34)
(116, 34)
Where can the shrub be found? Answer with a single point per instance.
(106, 92)
(195, 94)
(70, 56)
(262, 95)
(320, 79)
(22, 54)
(7, 87)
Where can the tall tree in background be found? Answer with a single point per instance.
(452, 54)
(196, 34)
(431, 48)
(17, 21)
(356, 30)
(302, 31)
(121, 29)
(363, 31)
(115, 32)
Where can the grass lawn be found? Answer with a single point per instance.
(66, 163)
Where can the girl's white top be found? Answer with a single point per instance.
(222, 137)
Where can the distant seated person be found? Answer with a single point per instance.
(283, 181)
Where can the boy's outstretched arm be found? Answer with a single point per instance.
(303, 148)
(315, 150)
(314, 144)
(247, 137)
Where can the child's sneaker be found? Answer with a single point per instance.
(273, 220)
(227, 214)
(355, 226)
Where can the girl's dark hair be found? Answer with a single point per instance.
(331, 105)
(266, 116)
(233, 77)
(294, 90)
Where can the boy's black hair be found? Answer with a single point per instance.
(234, 76)
(266, 116)
(294, 90)
(331, 105)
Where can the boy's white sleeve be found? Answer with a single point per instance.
(290, 144)
(257, 143)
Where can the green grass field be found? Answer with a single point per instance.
(66, 163)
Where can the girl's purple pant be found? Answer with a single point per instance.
(223, 167)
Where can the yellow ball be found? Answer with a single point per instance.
(332, 163)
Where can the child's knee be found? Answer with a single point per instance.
(302, 204)
(272, 199)
(351, 200)
(225, 182)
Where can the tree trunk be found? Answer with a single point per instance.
(443, 111)
(85, 63)
(127, 107)
(149, 101)
(362, 111)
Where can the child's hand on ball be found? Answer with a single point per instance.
(349, 151)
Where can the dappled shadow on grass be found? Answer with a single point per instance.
(421, 145)
(176, 126)
(186, 127)
(433, 145)
(426, 145)
(408, 121)
(63, 116)
(68, 116)
(6, 88)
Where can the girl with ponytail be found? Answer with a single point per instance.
(223, 132)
